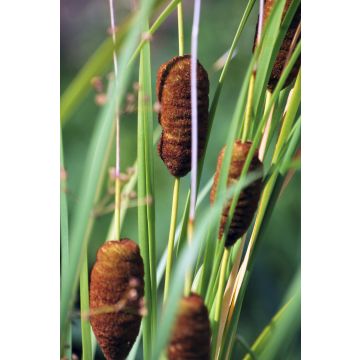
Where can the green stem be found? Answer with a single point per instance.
(64, 230)
(265, 137)
(170, 253)
(117, 208)
(180, 28)
(248, 111)
(84, 307)
(210, 294)
(188, 276)
(219, 300)
(175, 201)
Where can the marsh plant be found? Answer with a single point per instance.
(186, 304)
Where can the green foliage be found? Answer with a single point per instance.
(204, 255)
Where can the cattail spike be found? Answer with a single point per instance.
(190, 338)
(286, 45)
(117, 282)
(173, 88)
(249, 197)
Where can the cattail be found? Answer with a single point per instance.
(249, 197)
(173, 87)
(286, 46)
(190, 338)
(116, 296)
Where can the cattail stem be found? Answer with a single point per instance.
(117, 208)
(175, 200)
(194, 133)
(169, 259)
(188, 275)
(180, 28)
(265, 137)
(219, 299)
(117, 121)
(84, 306)
(248, 111)
(194, 108)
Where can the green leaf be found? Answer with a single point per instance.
(280, 331)
(146, 215)
(64, 231)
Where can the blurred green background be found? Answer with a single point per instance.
(84, 26)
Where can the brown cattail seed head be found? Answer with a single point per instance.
(190, 338)
(117, 273)
(173, 87)
(249, 197)
(283, 55)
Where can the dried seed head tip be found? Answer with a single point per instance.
(249, 197)
(190, 338)
(117, 273)
(173, 87)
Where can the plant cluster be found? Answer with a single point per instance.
(209, 258)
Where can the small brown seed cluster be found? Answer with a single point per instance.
(191, 334)
(249, 197)
(283, 55)
(173, 87)
(117, 281)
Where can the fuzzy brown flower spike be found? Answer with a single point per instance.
(286, 45)
(173, 87)
(190, 339)
(249, 197)
(116, 292)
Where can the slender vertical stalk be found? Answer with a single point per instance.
(180, 28)
(248, 111)
(146, 211)
(175, 200)
(143, 231)
(169, 259)
(219, 299)
(265, 137)
(64, 230)
(84, 305)
(194, 132)
(117, 121)
(188, 275)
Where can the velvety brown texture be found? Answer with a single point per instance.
(191, 334)
(118, 265)
(285, 46)
(173, 87)
(249, 197)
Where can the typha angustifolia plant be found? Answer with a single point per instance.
(190, 335)
(174, 94)
(253, 107)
